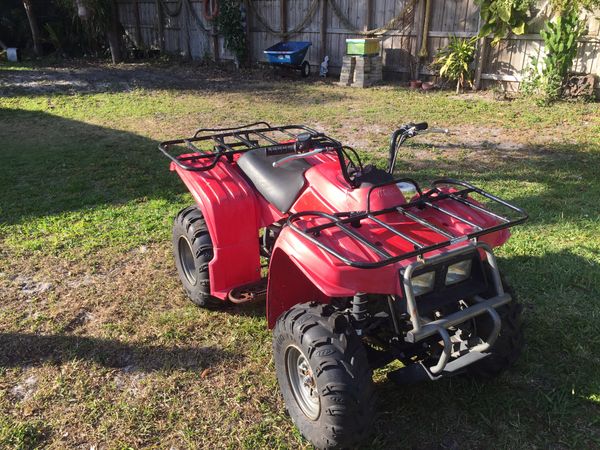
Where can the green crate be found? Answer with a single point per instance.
(367, 46)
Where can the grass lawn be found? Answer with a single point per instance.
(100, 347)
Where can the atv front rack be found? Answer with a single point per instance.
(424, 200)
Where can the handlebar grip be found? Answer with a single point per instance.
(281, 149)
(421, 126)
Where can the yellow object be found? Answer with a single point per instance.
(365, 46)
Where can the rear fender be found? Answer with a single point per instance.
(230, 209)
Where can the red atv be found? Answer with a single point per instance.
(363, 268)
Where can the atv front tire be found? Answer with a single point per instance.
(324, 375)
(507, 348)
(193, 251)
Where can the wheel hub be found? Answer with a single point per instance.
(186, 260)
(303, 383)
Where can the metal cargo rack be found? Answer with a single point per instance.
(425, 200)
(227, 142)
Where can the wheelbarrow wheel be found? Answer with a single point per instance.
(305, 69)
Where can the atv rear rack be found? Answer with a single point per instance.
(227, 142)
(425, 200)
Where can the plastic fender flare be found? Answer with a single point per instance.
(288, 286)
(222, 195)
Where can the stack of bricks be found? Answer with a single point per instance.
(361, 71)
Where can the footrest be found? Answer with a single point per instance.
(457, 365)
(416, 373)
(249, 292)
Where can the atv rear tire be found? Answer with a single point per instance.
(507, 348)
(324, 375)
(193, 251)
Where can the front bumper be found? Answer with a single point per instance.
(421, 329)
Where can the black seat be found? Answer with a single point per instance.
(279, 185)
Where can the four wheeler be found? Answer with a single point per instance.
(364, 269)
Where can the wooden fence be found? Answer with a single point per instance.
(178, 26)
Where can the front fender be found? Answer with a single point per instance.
(288, 286)
(300, 272)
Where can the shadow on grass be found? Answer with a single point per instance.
(50, 165)
(25, 349)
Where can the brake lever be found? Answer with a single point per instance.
(434, 130)
(287, 159)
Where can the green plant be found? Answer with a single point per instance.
(546, 80)
(560, 40)
(563, 5)
(454, 61)
(230, 24)
(501, 17)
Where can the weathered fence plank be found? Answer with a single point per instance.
(156, 24)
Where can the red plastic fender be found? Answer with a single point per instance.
(229, 206)
(300, 272)
(288, 286)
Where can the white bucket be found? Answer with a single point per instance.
(12, 54)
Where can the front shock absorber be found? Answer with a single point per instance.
(359, 308)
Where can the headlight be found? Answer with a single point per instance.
(423, 283)
(458, 272)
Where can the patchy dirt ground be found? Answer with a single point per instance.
(78, 77)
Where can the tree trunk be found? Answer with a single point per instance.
(35, 30)
(113, 34)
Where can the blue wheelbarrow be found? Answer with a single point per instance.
(290, 55)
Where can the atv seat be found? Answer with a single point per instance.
(278, 185)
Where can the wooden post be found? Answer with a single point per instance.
(160, 17)
(283, 18)
(33, 25)
(370, 12)
(184, 28)
(323, 29)
(248, 36)
(113, 34)
(481, 57)
(215, 39)
(138, 28)
(424, 52)
(417, 28)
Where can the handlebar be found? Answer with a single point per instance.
(291, 158)
(281, 149)
(412, 129)
(303, 142)
(435, 130)
(405, 132)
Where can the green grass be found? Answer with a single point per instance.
(120, 359)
